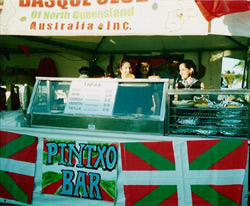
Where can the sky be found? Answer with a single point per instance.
(228, 64)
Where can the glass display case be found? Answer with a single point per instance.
(208, 113)
(139, 105)
(130, 105)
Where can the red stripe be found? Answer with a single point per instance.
(197, 148)
(7, 137)
(5, 194)
(134, 193)
(165, 149)
(52, 187)
(132, 162)
(198, 201)
(106, 196)
(28, 154)
(45, 149)
(172, 200)
(237, 159)
(233, 192)
(26, 183)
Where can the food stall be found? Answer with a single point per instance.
(87, 147)
(123, 142)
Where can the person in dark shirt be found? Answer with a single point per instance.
(144, 69)
(187, 70)
(188, 80)
(84, 72)
(96, 72)
(150, 92)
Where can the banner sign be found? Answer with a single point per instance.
(101, 17)
(83, 170)
(17, 166)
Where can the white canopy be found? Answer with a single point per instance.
(118, 26)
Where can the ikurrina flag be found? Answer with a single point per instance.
(83, 170)
(180, 172)
(17, 166)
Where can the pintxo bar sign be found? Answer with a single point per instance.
(77, 169)
(100, 17)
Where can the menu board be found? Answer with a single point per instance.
(91, 98)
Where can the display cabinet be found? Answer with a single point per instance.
(139, 106)
(208, 113)
(130, 105)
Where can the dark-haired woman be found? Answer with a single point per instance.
(187, 70)
(125, 69)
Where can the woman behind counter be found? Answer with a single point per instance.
(125, 69)
(187, 70)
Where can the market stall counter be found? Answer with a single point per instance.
(126, 142)
(139, 106)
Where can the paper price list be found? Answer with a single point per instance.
(91, 98)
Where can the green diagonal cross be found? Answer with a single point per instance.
(10, 185)
(214, 154)
(16, 145)
(109, 186)
(151, 157)
(157, 196)
(213, 197)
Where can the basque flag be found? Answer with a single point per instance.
(180, 172)
(17, 166)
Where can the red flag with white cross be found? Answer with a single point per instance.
(17, 166)
(181, 172)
